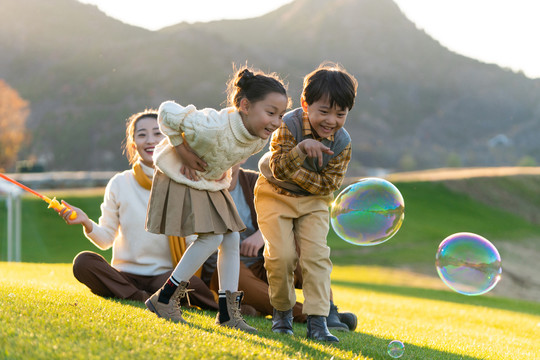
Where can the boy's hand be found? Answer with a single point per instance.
(314, 149)
(191, 162)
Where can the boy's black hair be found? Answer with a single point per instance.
(331, 81)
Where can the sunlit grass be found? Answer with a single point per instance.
(47, 314)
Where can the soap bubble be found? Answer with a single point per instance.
(396, 349)
(368, 212)
(468, 263)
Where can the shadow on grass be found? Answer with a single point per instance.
(376, 348)
(353, 344)
(527, 307)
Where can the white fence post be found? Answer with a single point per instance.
(9, 205)
(17, 228)
(13, 208)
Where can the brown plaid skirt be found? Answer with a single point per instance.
(177, 209)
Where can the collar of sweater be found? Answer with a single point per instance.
(239, 131)
(147, 170)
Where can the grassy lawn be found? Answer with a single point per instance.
(45, 236)
(392, 287)
(47, 314)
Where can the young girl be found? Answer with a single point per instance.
(185, 202)
(141, 261)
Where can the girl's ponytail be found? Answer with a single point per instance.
(243, 79)
(252, 85)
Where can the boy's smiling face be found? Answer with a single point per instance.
(325, 120)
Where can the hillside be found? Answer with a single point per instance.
(419, 105)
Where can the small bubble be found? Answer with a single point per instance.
(396, 349)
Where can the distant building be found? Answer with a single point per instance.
(499, 140)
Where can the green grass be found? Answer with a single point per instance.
(45, 236)
(432, 212)
(47, 314)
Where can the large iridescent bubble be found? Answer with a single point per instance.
(468, 263)
(368, 212)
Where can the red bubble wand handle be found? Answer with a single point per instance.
(53, 203)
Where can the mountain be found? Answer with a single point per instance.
(418, 106)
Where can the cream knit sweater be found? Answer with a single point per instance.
(218, 137)
(121, 225)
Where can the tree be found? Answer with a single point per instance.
(13, 113)
(407, 162)
(527, 160)
(453, 160)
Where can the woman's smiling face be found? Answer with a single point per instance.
(146, 137)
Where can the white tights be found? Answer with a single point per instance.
(228, 262)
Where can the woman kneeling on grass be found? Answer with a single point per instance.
(141, 261)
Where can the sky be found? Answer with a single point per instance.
(502, 32)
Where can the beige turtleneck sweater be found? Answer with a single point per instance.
(218, 137)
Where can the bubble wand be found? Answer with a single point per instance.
(53, 203)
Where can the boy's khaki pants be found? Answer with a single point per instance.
(282, 219)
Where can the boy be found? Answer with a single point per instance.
(307, 162)
(253, 281)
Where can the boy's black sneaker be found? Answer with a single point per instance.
(317, 329)
(282, 322)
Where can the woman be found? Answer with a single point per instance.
(141, 261)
